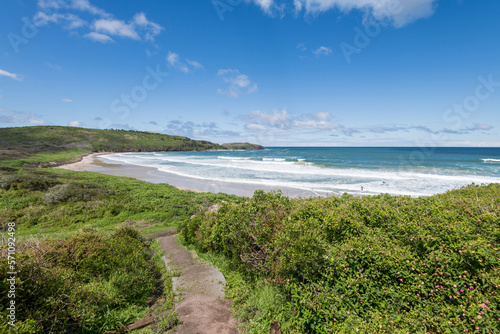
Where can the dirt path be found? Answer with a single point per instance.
(203, 309)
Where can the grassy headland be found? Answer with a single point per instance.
(45, 146)
(242, 146)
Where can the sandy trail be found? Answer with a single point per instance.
(203, 308)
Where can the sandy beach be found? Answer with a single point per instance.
(97, 162)
(92, 163)
(87, 163)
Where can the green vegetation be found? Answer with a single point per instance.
(377, 264)
(82, 266)
(89, 282)
(242, 146)
(57, 202)
(53, 145)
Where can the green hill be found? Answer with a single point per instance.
(242, 146)
(51, 145)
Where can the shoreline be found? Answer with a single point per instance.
(92, 163)
(97, 162)
(87, 163)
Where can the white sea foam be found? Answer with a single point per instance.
(490, 160)
(233, 158)
(279, 173)
(273, 159)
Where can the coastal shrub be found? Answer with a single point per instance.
(128, 232)
(262, 236)
(10, 179)
(7, 180)
(7, 169)
(245, 235)
(375, 264)
(41, 289)
(74, 192)
(89, 282)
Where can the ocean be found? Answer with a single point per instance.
(325, 171)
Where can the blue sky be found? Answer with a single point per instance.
(273, 72)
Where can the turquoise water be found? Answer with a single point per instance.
(402, 171)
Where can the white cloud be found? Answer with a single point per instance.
(191, 129)
(255, 127)
(320, 121)
(237, 83)
(20, 117)
(175, 61)
(253, 89)
(97, 37)
(265, 5)
(140, 19)
(481, 127)
(278, 119)
(52, 4)
(72, 21)
(240, 80)
(298, 5)
(172, 58)
(104, 24)
(81, 5)
(470, 143)
(315, 124)
(223, 72)
(116, 27)
(322, 116)
(74, 123)
(151, 29)
(66, 100)
(195, 64)
(466, 130)
(322, 51)
(138, 26)
(11, 75)
(301, 47)
(323, 122)
(231, 91)
(54, 66)
(84, 5)
(398, 12)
